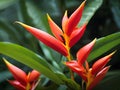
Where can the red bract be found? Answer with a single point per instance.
(63, 38)
(22, 80)
(92, 76)
(74, 19)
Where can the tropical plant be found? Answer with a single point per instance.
(66, 69)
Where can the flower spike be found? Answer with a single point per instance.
(98, 78)
(18, 74)
(22, 80)
(92, 76)
(65, 37)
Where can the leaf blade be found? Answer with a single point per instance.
(90, 8)
(29, 58)
(104, 44)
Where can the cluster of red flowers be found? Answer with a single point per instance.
(22, 80)
(62, 41)
(91, 76)
(64, 38)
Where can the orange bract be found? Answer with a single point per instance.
(74, 19)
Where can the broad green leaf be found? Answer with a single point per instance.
(111, 81)
(6, 3)
(34, 61)
(90, 8)
(30, 59)
(104, 44)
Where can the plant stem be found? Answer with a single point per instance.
(71, 72)
(66, 38)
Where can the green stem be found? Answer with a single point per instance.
(71, 72)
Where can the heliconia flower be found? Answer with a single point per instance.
(22, 80)
(92, 76)
(64, 38)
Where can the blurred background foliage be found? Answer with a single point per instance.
(105, 21)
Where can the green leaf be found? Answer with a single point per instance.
(104, 44)
(90, 8)
(30, 59)
(34, 61)
(6, 3)
(111, 81)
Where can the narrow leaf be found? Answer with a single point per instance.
(104, 44)
(90, 8)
